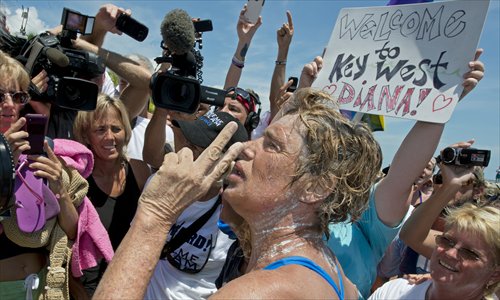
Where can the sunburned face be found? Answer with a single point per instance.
(265, 169)
(107, 136)
(9, 110)
(236, 109)
(464, 275)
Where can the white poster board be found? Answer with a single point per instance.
(403, 61)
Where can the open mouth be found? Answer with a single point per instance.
(237, 170)
(109, 147)
(446, 266)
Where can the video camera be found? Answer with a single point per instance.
(69, 70)
(180, 88)
(464, 157)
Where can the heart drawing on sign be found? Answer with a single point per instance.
(441, 102)
(330, 89)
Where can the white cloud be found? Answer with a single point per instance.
(34, 24)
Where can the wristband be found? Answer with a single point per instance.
(281, 62)
(238, 63)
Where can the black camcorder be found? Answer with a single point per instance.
(180, 87)
(69, 70)
(464, 157)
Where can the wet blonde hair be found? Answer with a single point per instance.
(85, 119)
(340, 156)
(11, 69)
(482, 221)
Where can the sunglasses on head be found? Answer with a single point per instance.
(464, 253)
(17, 97)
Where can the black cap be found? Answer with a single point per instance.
(203, 131)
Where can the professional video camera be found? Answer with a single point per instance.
(180, 88)
(465, 157)
(7, 174)
(69, 70)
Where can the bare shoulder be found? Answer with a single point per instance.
(291, 281)
(141, 171)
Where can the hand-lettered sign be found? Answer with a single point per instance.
(402, 61)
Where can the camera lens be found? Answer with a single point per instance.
(178, 92)
(448, 155)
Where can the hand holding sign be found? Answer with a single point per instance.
(404, 61)
(475, 74)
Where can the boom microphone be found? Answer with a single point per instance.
(57, 57)
(177, 30)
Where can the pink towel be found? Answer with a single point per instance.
(75, 155)
(92, 242)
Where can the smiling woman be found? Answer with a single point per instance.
(465, 263)
(116, 182)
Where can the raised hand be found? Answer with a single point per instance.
(474, 75)
(457, 176)
(310, 72)
(17, 139)
(284, 35)
(50, 168)
(246, 30)
(106, 17)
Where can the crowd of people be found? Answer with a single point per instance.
(233, 202)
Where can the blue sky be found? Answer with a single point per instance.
(478, 116)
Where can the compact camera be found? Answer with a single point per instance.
(132, 27)
(465, 156)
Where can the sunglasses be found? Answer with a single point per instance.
(244, 95)
(17, 97)
(464, 253)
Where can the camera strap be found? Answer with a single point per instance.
(185, 234)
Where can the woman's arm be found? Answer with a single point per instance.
(416, 232)
(51, 168)
(245, 32)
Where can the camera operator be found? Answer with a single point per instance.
(178, 36)
(136, 94)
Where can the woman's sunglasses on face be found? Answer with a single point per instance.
(464, 253)
(17, 97)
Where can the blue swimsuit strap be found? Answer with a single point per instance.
(306, 262)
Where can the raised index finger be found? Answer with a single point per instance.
(290, 21)
(214, 152)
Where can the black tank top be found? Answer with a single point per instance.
(116, 213)
(10, 249)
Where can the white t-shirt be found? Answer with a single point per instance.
(136, 143)
(168, 282)
(401, 289)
